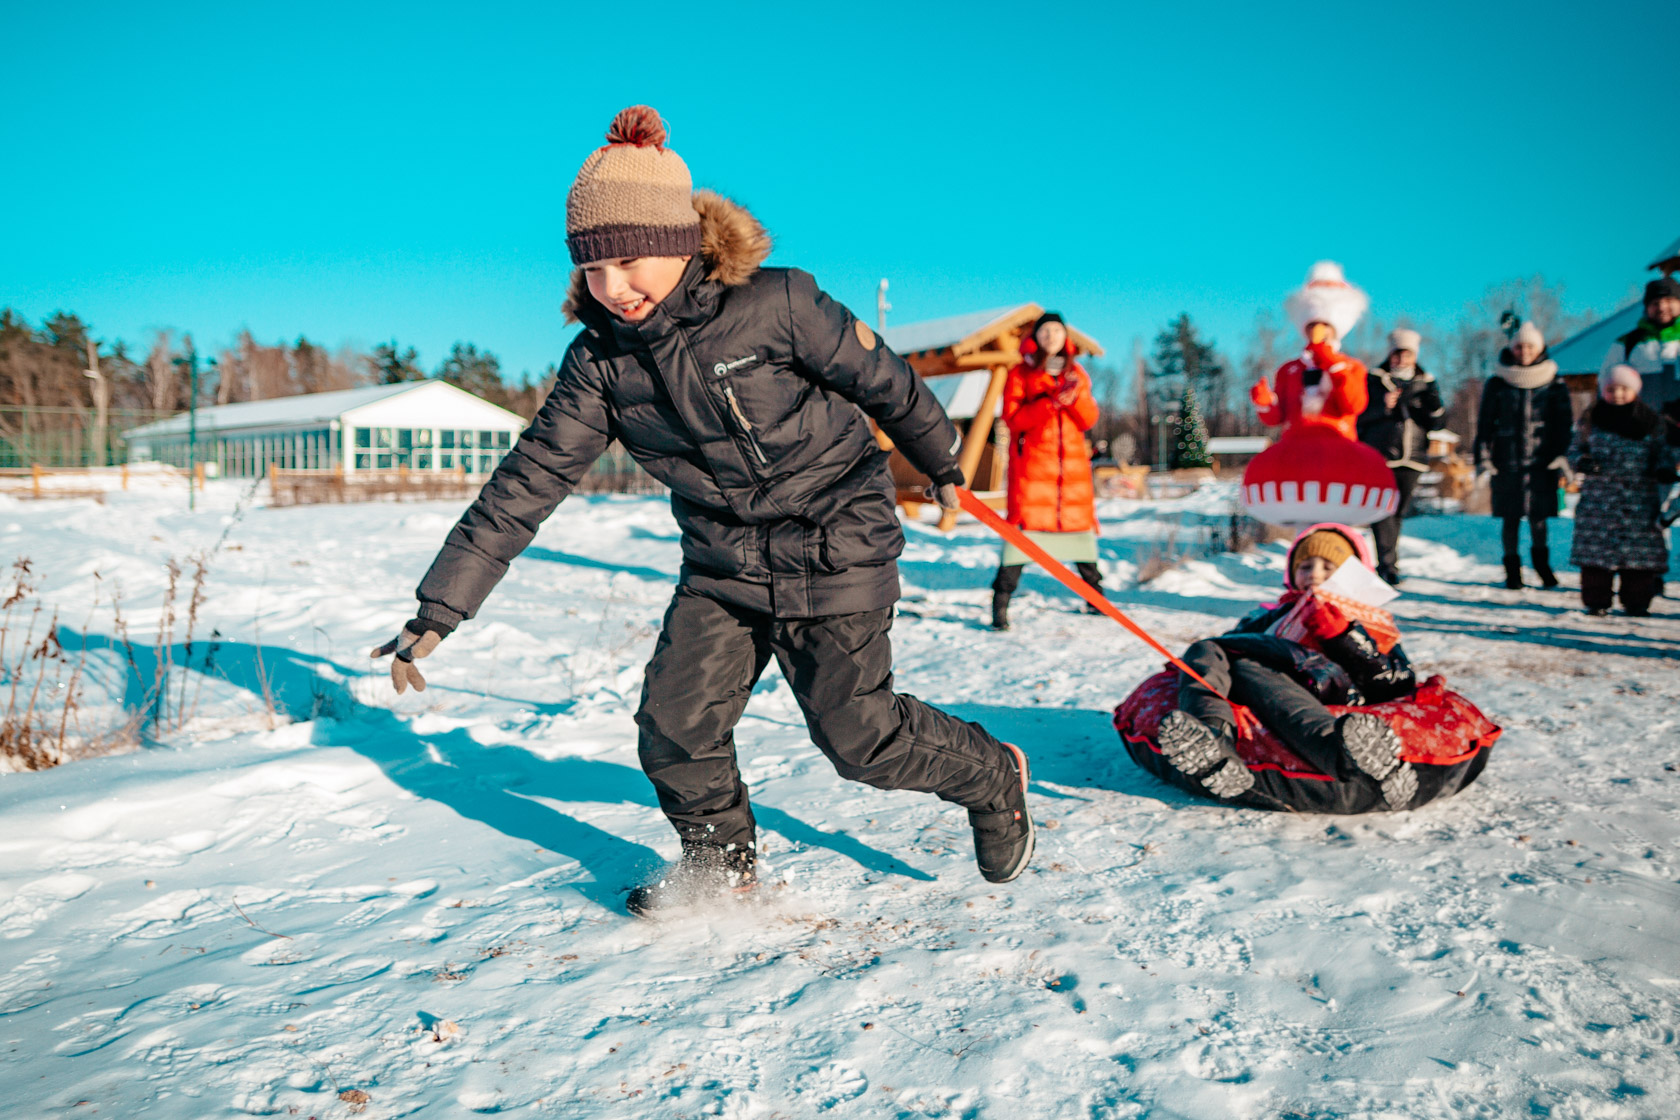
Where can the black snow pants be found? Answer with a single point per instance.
(1387, 531)
(1287, 709)
(709, 656)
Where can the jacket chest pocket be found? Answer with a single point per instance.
(723, 378)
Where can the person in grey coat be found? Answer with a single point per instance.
(1522, 434)
(749, 392)
(1624, 462)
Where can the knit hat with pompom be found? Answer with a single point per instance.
(634, 197)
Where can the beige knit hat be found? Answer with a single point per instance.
(1326, 544)
(633, 197)
(1529, 333)
(1402, 339)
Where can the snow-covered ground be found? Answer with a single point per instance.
(417, 902)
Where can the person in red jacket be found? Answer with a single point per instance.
(1048, 407)
(1323, 385)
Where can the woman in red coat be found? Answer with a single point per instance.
(1048, 407)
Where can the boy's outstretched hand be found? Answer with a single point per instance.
(946, 495)
(417, 639)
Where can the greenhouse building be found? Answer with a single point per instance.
(412, 426)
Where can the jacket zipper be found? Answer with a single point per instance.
(746, 425)
(1061, 465)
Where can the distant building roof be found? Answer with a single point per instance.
(307, 409)
(936, 334)
(997, 331)
(1667, 256)
(280, 412)
(1583, 351)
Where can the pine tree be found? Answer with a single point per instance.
(393, 366)
(1181, 356)
(1192, 445)
(477, 371)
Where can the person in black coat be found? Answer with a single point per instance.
(1523, 430)
(1404, 405)
(749, 392)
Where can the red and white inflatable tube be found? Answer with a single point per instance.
(1445, 737)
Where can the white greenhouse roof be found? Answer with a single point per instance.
(307, 409)
(935, 334)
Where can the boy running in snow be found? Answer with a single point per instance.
(1287, 684)
(748, 392)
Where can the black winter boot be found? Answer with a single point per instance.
(705, 872)
(1201, 752)
(1513, 573)
(1375, 749)
(1004, 838)
(1000, 610)
(1542, 558)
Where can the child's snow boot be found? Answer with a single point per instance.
(1375, 749)
(1200, 752)
(704, 872)
(1543, 567)
(1513, 573)
(1004, 838)
(1000, 611)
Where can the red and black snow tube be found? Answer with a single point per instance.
(1445, 737)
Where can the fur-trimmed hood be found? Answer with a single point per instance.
(733, 244)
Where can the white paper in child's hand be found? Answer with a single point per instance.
(1355, 581)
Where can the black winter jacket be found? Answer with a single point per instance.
(1401, 433)
(1520, 433)
(1348, 669)
(748, 392)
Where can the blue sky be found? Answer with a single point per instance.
(358, 173)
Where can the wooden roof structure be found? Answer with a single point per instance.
(979, 342)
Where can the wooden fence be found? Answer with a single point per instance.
(307, 488)
(614, 473)
(38, 483)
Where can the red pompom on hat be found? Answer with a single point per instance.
(640, 125)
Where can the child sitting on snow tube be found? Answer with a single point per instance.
(1311, 751)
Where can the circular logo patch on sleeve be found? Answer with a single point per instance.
(866, 337)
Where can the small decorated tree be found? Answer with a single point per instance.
(1192, 445)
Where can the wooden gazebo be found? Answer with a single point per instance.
(980, 348)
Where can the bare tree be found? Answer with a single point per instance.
(162, 378)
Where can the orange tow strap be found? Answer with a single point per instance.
(1091, 595)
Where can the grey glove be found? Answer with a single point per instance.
(419, 637)
(946, 496)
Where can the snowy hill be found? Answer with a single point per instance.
(360, 904)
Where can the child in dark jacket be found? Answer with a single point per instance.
(749, 393)
(1624, 462)
(1287, 684)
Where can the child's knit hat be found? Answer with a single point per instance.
(1326, 544)
(1619, 374)
(633, 197)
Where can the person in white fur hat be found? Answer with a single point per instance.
(1323, 385)
(1405, 404)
